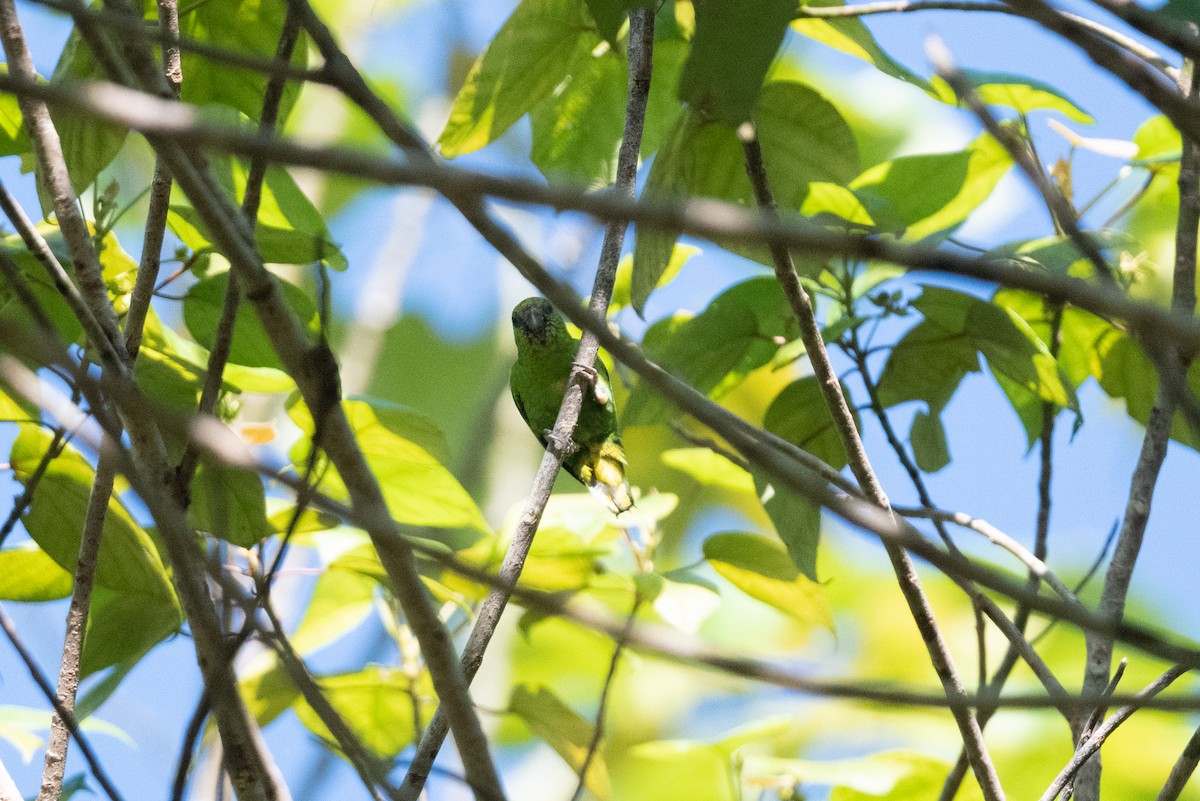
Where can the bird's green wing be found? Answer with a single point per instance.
(516, 396)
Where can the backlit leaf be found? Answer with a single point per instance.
(761, 568)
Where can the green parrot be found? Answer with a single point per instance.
(545, 353)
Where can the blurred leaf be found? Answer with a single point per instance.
(14, 140)
(761, 568)
(716, 349)
(1015, 92)
(529, 56)
(1157, 140)
(804, 139)
(685, 600)
(89, 144)
(797, 522)
(341, 600)
(892, 775)
(128, 560)
(378, 704)
(610, 15)
(562, 729)
(621, 288)
(1125, 372)
(418, 489)
(800, 415)
(578, 128)
(289, 229)
(926, 194)
(251, 344)
(249, 27)
(732, 48)
(852, 37)
(663, 105)
(22, 727)
(27, 573)
(229, 503)
(709, 468)
(928, 439)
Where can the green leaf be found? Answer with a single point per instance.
(610, 15)
(1157, 140)
(251, 344)
(27, 573)
(621, 288)
(526, 60)
(1125, 372)
(340, 602)
(578, 128)
(378, 704)
(800, 415)
(928, 439)
(732, 48)
(852, 37)
(931, 360)
(229, 503)
(14, 408)
(89, 143)
(1016, 92)
(249, 27)
(418, 489)
(289, 229)
(663, 105)
(761, 568)
(709, 468)
(716, 349)
(804, 139)
(797, 522)
(14, 141)
(926, 194)
(128, 560)
(562, 729)
(124, 626)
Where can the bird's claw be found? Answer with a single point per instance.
(564, 445)
(599, 390)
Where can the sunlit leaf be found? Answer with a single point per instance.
(14, 140)
(762, 568)
(709, 468)
(125, 625)
(418, 489)
(797, 522)
(378, 704)
(852, 37)
(27, 573)
(128, 560)
(524, 62)
(716, 349)
(1015, 92)
(563, 730)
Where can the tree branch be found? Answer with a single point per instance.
(860, 465)
(640, 60)
(1182, 770)
(1119, 575)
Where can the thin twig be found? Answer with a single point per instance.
(641, 43)
(43, 683)
(191, 737)
(1182, 770)
(1061, 213)
(77, 616)
(1086, 749)
(602, 707)
(860, 466)
(908, 6)
(160, 196)
(1181, 37)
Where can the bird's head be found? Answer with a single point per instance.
(535, 322)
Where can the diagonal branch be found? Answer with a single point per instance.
(640, 59)
(860, 465)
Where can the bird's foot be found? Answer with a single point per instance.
(599, 388)
(564, 445)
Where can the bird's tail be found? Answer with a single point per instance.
(608, 480)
